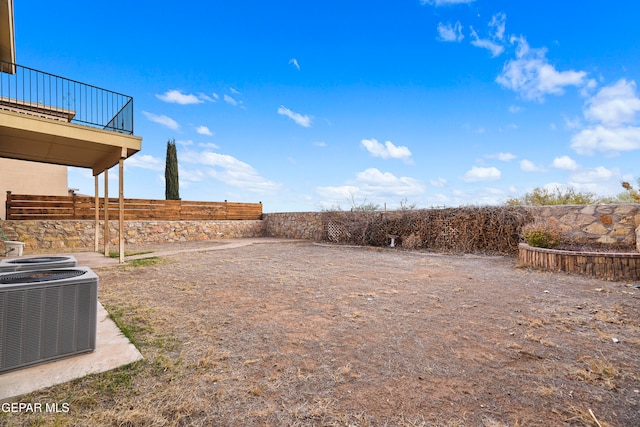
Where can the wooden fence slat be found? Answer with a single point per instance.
(21, 206)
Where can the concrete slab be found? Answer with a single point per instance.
(94, 259)
(112, 350)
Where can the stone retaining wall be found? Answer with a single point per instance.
(595, 224)
(294, 225)
(591, 224)
(52, 234)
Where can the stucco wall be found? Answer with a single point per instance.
(21, 177)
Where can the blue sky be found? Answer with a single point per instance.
(311, 105)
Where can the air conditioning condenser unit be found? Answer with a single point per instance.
(46, 315)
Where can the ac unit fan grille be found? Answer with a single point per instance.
(38, 276)
(37, 260)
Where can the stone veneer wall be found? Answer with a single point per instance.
(593, 224)
(611, 224)
(294, 225)
(52, 234)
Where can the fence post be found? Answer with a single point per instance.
(7, 205)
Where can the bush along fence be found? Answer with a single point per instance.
(27, 207)
(466, 229)
(487, 230)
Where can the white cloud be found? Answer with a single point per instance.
(572, 123)
(230, 100)
(386, 151)
(145, 161)
(373, 181)
(491, 46)
(588, 88)
(162, 119)
(374, 186)
(498, 25)
(302, 120)
(476, 174)
(186, 175)
(231, 171)
(504, 157)
(531, 75)
(599, 173)
(514, 109)
(206, 97)
(439, 182)
(614, 105)
(177, 97)
(565, 162)
(234, 91)
(450, 33)
(210, 145)
(338, 193)
(608, 140)
(320, 144)
(294, 62)
(203, 130)
(445, 2)
(613, 113)
(529, 166)
(184, 142)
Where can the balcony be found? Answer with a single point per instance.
(52, 119)
(46, 95)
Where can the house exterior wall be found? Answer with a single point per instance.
(22, 177)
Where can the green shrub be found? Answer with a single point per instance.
(542, 234)
(556, 196)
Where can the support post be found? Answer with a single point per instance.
(106, 212)
(96, 231)
(121, 211)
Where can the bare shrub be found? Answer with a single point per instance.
(456, 230)
(412, 241)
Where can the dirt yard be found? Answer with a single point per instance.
(299, 334)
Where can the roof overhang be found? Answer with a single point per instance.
(27, 137)
(7, 38)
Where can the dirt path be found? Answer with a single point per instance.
(297, 334)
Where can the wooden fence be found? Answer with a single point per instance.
(25, 207)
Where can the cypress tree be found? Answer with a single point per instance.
(172, 191)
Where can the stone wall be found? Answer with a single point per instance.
(612, 224)
(591, 224)
(595, 224)
(51, 234)
(294, 225)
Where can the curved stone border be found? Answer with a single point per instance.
(604, 265)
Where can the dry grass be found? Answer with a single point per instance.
(304, 335)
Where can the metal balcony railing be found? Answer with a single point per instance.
(46, 95)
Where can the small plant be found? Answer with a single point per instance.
(542, 234)
(144, 262)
